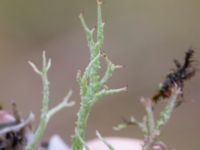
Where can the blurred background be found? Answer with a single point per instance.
(144, 36)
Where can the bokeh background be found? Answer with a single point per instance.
(144, 36)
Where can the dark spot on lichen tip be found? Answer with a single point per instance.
(126, 88)
(103, 54)
(123, 66)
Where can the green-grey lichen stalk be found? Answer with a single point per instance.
(46, 114)
(154, 127)
(92, 88)
(151, 127)
(103, 140)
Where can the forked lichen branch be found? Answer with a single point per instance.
(151, 127)
(46, 113)
(92, 87)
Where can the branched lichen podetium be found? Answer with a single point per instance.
(92, 88)
(46, 114)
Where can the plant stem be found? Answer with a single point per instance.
(81, 125)
(46, 114)
(164, 117)
(91, 86)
